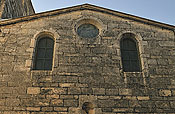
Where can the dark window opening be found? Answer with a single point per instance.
(129, 54)
(44, 54)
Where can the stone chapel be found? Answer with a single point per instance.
(84, 59)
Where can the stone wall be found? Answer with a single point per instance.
(15, 8)
(86, 71)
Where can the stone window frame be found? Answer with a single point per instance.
(143, 59)
(89, 20)
(36, 56)
(133, 39)
(50, 33)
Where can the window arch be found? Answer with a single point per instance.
(130, 53)
(44, 53)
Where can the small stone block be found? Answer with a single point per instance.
(122, 110)
(33, 108)
(28, 63)
(165, 93)
(60, 109)
(125, 92)
(66, 84)
(33, 90)
(143, 98)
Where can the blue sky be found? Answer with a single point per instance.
(158, 10)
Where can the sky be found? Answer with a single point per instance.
(157, 10)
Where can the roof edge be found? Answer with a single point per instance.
(87, 7)
(32, 6)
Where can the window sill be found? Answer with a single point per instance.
(132, 72)
(41, 72)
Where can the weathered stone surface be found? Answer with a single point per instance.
(33, 108)
(125, 91)
(75, 91)
(106, 103)
(85, 71)
(123, 110)
(98, 91)
(70, 103)
(165, 92)
(57, 102)
(112, 91)
(143, 98)
(47, 109)
(33, 90)
(60, 109)
(15, 8)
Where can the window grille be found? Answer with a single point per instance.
(130, 55)
(44, 54)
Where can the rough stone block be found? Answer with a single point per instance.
(32, 44)
(86, 90)
(33, 90)
(47, 109)
(2, 102)
(81, 85)
(33, 108)
(112, 91)
(73, 110)
(66, 84)
(57, 102)
(75, 91)
(28, 63)
(121, 103)
(172, 103)
(106, 103)
(53, 96)
(60, 91)
(143, 98)
(125, 91)
(61, 109)
(13, 102)
(173, 92)
(98, 91)
(166, 43)
(71, 103)
(165, 93)
(152, 61)
(130, 97)
(162, 104)
(115, 97)
(67, 96)
(122, 110)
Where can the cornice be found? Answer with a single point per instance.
(87, 7)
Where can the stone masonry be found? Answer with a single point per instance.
(86, 70)
(15, 8)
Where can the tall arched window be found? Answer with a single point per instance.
(130, 54)
(44, 54)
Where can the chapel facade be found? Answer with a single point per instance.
(84, 59)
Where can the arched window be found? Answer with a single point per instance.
(44, 54)
(129, 54)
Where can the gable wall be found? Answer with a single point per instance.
(86, 71)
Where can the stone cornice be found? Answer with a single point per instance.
(91, 8)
